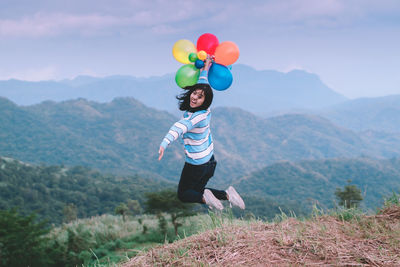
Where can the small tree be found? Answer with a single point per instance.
(167, 201)
(22, 240)
(134, 207)
(350, 196)
(121, 210)
(162, 223)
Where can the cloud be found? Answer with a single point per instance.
(158, 17)
(165, 12)
(305, 13)
(41, 24)
(163, 17)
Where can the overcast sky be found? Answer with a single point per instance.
(352, 45)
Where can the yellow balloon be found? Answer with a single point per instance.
(182, 50)
(202, 55)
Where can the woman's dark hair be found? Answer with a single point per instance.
(184, 99)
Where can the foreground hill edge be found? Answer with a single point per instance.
(343, 239)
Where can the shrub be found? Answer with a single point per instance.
(22, 235)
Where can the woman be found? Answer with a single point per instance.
(194, 130)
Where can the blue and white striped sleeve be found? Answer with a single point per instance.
(203, 78)
(178, 129)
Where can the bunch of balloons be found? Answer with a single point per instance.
(222, 54)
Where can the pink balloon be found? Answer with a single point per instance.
(207, 42)
(226, 53)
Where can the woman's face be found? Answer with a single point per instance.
(196, 98)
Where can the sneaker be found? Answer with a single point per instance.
(234, 198)
(211, 200)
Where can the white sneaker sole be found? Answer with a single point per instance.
(234, 198)
(211, 200)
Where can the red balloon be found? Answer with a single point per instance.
(207, 42)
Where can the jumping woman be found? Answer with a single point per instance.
(194, 130)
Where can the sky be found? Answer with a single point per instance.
(352, 45)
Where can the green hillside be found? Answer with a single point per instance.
(123, 136)
(310, 182)
(119, 137)
(284, 186)
(48, 189)
(245, 142)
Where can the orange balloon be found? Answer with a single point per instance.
(226, 53)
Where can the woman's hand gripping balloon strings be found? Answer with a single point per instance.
(207, 64)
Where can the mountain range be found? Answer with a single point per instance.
(255, 91)
(265, 93)
(123, 136)
(378, 114)
(282, 137)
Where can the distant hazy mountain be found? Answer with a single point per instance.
(252, 90)
(309, 182)
(265, 91)
(377, 114)
(123, 136)
(156, 92)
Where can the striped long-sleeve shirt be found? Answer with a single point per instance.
(194, 131)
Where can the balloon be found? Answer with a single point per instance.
(226, 53)
(199, 64)
(207, 42)
(219, 77)
(182, 49)
(202, 55)
(187, 75)
(192, 57)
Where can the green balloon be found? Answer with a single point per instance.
(192, 57)
(187, 75)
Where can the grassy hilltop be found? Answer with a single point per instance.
(344, 238)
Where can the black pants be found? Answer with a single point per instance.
(193, 182)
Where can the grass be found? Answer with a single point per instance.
(394, 199)
(335, 237)
(106, 240)
(341, 237)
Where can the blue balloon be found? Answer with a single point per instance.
(219, 77)
(199, 63)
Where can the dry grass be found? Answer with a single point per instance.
(321, 241)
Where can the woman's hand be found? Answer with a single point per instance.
(160, 153)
